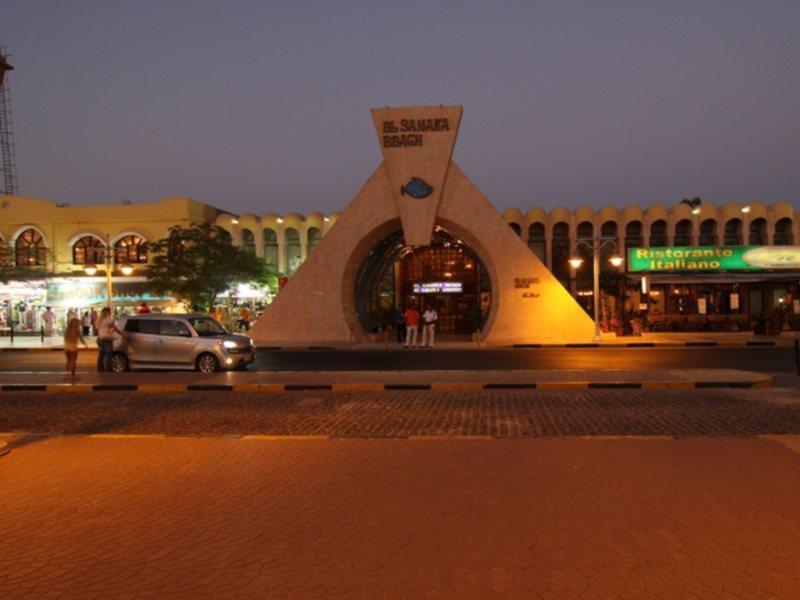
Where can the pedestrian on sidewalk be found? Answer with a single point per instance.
(412, 322)
(399, 325)
(72, 335)
(49, 319)
(143, 309)
(106, 329)
(86, 323)
(93, 320)
(244, 318)
(429, 319)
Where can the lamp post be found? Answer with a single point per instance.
(90, 269)
(596, 245)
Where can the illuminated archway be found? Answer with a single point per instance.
(447, 275)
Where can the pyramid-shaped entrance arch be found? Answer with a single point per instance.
(415, 190)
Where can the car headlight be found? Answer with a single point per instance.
(229, 344)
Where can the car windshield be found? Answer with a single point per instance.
(207, 327)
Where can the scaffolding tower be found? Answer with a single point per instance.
(7, 158)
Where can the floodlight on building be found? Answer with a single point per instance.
(696, 211)
(279, 219)
(575, 262)
(126, 269)
(90, 269)
(234, 221)
(326, 219)
(616, 260)
(745, 209)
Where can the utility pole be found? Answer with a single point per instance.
(7, 164)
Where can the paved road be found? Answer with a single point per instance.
(256, 518)
(407, 413)
(755, 359)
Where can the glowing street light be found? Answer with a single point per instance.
(575, 262)
(596, 245)
(91, 269)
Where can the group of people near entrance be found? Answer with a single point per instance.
(407, 326)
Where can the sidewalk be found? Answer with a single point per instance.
(278, 381)
(731, 339)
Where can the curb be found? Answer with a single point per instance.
(383, 387)
(4, 449)
(696, 344)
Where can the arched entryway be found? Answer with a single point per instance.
(447, 274)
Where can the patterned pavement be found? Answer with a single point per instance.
(496, 413)
(535, 518)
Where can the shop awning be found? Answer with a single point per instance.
(711, 278)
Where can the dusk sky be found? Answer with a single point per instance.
(264, 106)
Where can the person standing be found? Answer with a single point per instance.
(106, 328)
(93, 320)
(143, 308)
(399, 325)
(72, 335)
(49, 319)
(86, 323)
(429, 319)
(244, 318)
(412, 322)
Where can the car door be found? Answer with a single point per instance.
(177, 344)
(142, 343)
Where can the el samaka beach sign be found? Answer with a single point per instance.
(713, 258)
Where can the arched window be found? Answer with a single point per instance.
(517, 229)
(271, 248)
(293, 250)
(609, 230)
(560, 251)
(536, 241)
(658, 233)
(633, 235)
(585, 230)
(130, 249)
(783, 232)
(733, 232)
(708, 232)
(88, 250)
(248, 241)
(314, 238)
(683, 232)
(30, 249)
(758, 232)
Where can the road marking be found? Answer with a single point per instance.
(273, 438)
(161, 387)
(357, 387)
(456, 387)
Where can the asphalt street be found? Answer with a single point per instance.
(763, 359)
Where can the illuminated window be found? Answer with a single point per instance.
(30, 249)
(88, 251)
(130, 249)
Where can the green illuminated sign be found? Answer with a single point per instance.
(713, 258)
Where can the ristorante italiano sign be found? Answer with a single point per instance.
(713, 258)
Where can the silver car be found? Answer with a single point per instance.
(173, 341)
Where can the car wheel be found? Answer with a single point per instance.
(207, 363)
(119, 363)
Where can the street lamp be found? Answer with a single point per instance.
(91, 269)
(596, 245)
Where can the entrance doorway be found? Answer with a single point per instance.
(446, 275)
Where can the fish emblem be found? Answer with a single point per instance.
(416, 188)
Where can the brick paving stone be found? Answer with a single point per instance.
(221, 517)
(403, 413)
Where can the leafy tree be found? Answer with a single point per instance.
(198, 263)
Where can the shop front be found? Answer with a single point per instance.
(24, 302)
(716, 288)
